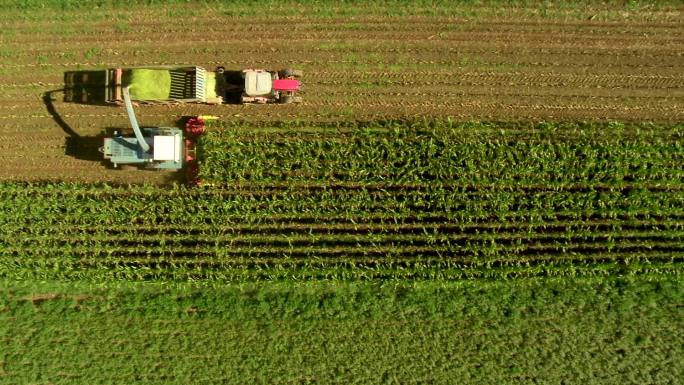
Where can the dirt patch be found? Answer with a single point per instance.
(37, 299)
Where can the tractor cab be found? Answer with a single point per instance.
(167, 147)
(258, 83)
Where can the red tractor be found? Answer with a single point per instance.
(259, 86)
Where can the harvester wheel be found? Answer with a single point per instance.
(192, 173)
(190, 152)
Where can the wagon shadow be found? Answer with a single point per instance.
(86, 87)
(48, 101)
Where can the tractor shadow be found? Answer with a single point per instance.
(84, 147)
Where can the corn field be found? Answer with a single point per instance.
(380, 200)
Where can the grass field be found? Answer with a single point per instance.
(550, 331)
(471, 192)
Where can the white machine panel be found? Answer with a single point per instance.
(165, 148)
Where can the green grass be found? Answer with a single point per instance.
(547, 331)
(564, 10)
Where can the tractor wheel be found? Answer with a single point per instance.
(291, 73)
(220, 69)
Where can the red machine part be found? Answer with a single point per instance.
(194, 126)
(189, 150)
(192, 173)
(286, 85)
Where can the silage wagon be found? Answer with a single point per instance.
(192, 84)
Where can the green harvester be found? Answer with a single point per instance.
(151, 147)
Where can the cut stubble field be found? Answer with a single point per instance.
(466, 62)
